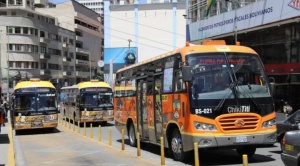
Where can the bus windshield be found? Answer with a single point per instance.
(102, 99)
(35, 102)
(216, 74)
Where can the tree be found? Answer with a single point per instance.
(98, 74)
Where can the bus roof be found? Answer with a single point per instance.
(88, 84)
(93, 83)
(208, 47)
(34, 83)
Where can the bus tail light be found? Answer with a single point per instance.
(204, 126)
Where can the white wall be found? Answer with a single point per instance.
(155, 28)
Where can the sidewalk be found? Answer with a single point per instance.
(4, 142)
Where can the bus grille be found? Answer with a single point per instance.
(238, 123)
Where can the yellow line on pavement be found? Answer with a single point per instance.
(11, 150)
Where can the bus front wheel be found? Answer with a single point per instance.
(131, 135)
(177, 146)
(248, 150)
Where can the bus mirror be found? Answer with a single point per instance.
(187, 73)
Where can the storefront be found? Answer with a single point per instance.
(273, 31)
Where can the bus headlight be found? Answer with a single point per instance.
(204, 126)
(269, 123)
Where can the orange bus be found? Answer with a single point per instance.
(215, 95)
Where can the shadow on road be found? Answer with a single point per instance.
(4, 139)
(37, 131)
(208, 157)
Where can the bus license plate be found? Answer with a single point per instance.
(240, 139)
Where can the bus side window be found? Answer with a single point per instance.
(179, 83)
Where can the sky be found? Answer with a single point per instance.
(58, 1)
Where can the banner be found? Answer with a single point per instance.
(209, 4)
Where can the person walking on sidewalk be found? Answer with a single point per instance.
(4, 106)
(2, 118)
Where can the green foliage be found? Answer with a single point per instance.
(98, 74)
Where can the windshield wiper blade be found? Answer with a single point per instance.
(226, 96)
(253, 100)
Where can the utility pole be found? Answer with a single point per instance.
(7, 32)
(0, 65)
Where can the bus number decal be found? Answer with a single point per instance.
(203, 111)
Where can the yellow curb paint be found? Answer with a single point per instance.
(11, 151)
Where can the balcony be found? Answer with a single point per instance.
(44, 56)
(82, 74)
(45, 72)
(65, 45)
(66, 59)
(82, 62)
(79, 38)
(44, 40)
(67, 73)
(82, 50)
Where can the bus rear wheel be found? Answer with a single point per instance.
(176, 146)
(248, 150)
(131, 135)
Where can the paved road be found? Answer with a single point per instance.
(67, 147)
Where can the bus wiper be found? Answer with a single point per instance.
(253, 100)
(226, 96)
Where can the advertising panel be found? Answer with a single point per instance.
(120, 57)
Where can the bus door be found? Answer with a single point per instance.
(142, 109)
(158, 108)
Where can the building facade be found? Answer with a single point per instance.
(271, 29)
(86, 24)
(31, 44)
(153, 27)
(34, 44)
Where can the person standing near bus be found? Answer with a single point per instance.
(287, 109)
(4, 106)
(2, 118)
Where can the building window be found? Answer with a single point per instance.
(43, 66)
(13, 13)
(25, 30)
(17, 30)
(30, 15)
(11, 2)
(43, 49)
(71, 41)
(18, 64)
(3, 13)
(18, 47)
(11, 64)
(19, 2)
(26, 48)
(26, 65)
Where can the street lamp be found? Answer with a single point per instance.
(129, 40)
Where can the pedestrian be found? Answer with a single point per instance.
(2, 118)
(287, 109)
(4, 105)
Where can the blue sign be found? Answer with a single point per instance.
(120, 56)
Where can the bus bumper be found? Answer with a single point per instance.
(231, 141)
(24, 126)
(94, 119)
